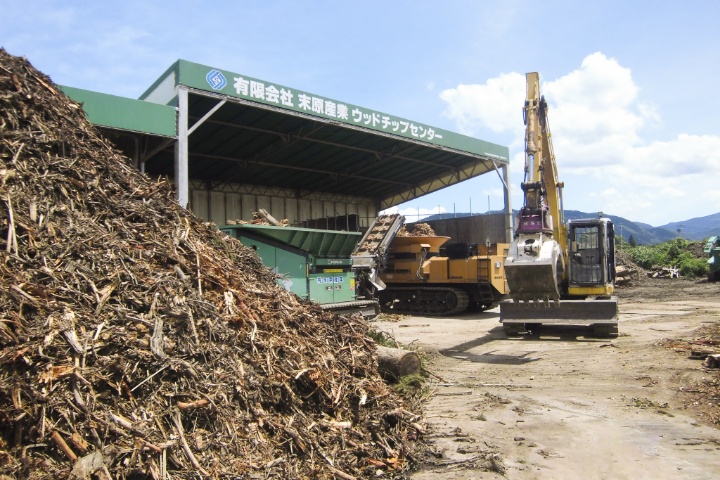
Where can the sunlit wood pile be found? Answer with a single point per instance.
(418, 230)
(138, 342)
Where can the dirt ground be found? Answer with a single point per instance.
(561, 404)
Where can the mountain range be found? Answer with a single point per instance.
(694, 229)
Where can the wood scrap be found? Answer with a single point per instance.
(394, 363)
(418, 230)
(663, 272)
(145, 370)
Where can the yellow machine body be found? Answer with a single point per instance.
(426, 275)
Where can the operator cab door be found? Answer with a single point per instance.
(592, 249)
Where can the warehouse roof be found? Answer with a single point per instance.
(245, 130)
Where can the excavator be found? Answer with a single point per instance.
(557, 272)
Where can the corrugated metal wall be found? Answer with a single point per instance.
(239, 202)
(473, 229)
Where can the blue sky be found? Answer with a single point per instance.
(632, 86)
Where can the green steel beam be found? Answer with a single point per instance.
(125, 113)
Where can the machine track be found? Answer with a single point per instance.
(433, 301)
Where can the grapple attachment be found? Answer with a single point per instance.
(532, 282)
(531, 269)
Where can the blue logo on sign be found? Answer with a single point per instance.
(216, 79)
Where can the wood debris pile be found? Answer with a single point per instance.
(261, 217)
(663, 272)
(626, 271)
(138, 342)
(418, 230)
(625, 274)
(701, 396)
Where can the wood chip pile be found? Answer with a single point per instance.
(419, 230)
(138, 342)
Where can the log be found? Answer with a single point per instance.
(624, 271)
(394, 363)
(268, 218)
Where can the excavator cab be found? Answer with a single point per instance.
(592, 263)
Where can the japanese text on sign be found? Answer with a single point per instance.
(268, 93)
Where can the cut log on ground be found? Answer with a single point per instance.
(622, 280)
(622, 271)
(394, 363)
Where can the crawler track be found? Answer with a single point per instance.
(438, 301)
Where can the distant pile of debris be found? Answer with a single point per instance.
(625, 275)
(663, 272)
(138, 342)
(419, 230)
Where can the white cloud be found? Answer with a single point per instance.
(492, 105)
(599, 83)
(600, 138)
(687, 155)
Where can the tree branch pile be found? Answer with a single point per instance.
(138, 342)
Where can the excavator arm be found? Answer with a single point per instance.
(535, 266)
(543, 187)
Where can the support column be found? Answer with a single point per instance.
(182, 176)
(508, 207)
(136, 154)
